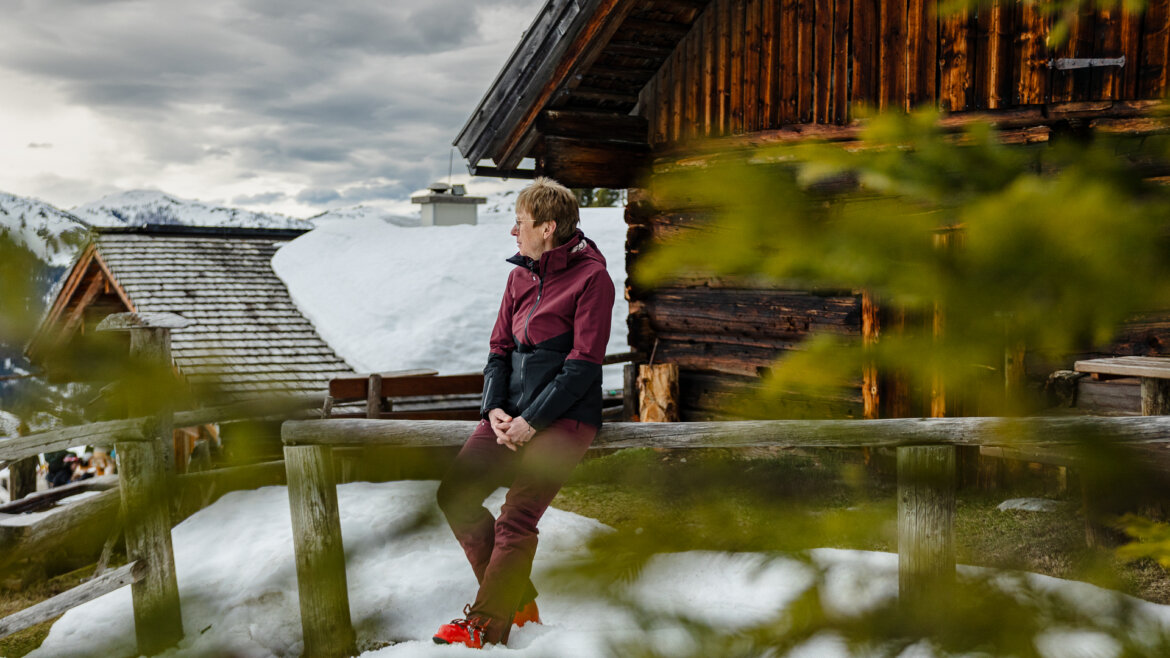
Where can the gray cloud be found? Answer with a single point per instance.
(360, 98)
(259, 199)
(39, 145)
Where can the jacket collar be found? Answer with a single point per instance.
(555, 259)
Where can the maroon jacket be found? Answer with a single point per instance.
(550, 337)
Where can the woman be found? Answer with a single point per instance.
(541, 409)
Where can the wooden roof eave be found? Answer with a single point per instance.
(47, 331)
(550, 52)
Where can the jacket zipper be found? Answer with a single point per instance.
(527, 338)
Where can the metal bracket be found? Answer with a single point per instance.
(1066, 63)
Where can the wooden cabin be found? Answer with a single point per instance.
(613, 93)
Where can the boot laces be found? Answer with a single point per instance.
(470, 624)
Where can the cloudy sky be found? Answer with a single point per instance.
(285, 105)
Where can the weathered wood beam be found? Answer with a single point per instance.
(58, 605)
(892, 432)
(106, 432)
(674, 30)
(620, 73)
(603, 95)
(633, 49)
(594, 124)
(926, 523)
(591, 163)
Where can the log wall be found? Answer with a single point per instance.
(724, 334)
(752, 65)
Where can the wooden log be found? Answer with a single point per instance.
(630, 393)
(888, 432)
(723, 67)
(596, 163)
(158, 622)
(1155, 397)
(789, 57)
(892, 67)
(954, 65)
(752, 42)
(374, 396)
(736, 60)
(658, 393)
(320, 555)
(68, 538)
(69, 437)
(926, 531)
(22, 478)
(58, 605)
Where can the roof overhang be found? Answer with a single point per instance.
(569, 94)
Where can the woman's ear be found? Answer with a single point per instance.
(550, 228)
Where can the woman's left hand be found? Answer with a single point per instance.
(519, 432)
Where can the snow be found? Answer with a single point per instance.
(389, 297)
(140, 207)
(16, 520)
(237, 584)
(1029, 505)
(52, 235)
(363, 212)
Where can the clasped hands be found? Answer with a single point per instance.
(510, 432)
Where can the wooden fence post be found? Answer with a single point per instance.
(320, 555)
(22, 473)
(145, 470)
(926, 511)
(658, 393)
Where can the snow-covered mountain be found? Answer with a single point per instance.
(141, 207)
(50, 234)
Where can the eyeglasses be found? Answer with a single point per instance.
(521, 221)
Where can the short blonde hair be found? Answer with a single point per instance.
(548, 201)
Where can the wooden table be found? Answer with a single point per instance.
(1154, 373)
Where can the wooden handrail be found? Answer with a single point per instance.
(137, 429)
(891, 432)
(65, 601)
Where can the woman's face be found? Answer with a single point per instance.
(531, 240)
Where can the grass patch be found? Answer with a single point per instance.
(15, 597)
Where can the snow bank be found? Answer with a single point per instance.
(237, 583)
(389, 297)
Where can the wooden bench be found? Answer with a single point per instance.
(1154, 373)
(448, 395)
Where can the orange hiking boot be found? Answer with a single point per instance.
(469, 631)
(527, 614)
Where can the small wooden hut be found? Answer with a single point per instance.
(613, 93)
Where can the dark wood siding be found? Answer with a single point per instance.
(724, 334)
(753, 65)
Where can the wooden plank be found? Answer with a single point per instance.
(1155, 33)
(723, 69)
(926, 530)
(320, 554)
(915, 35)
(694, 84)
(752, 41)
(769, 66)
(1033, 81)
(805, 60)
(65, 601)
(586, 124)
(886, 432)
(355, 388)
(999, 53)
(841, 23)
(1130, 44)
(658, 393)
(870, 333)
(736, 80)
(593, 163)
(709, 23)
(662, 88)
(892, 55)
(866, 51)
(1106, 80)
(924, 69)
(630, 392)
(1127, 366)
(678, 90)
(954, 65)
(823, 61)
(789, 61)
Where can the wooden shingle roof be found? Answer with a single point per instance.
(247, 337)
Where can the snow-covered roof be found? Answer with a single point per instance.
(246, 337)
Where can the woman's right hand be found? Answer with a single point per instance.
(500, 421)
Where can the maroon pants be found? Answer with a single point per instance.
(501, 550)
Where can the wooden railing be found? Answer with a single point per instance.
(926, 482)
(146, 487)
